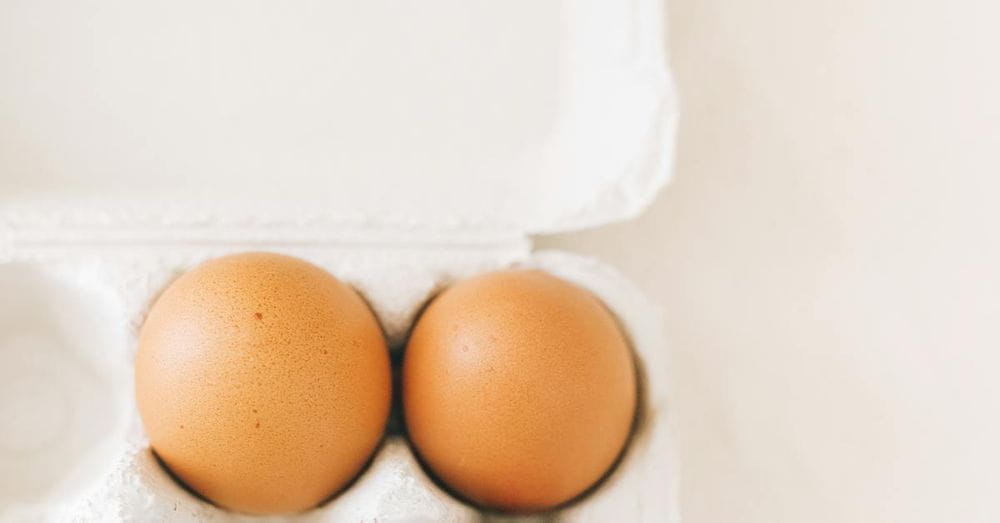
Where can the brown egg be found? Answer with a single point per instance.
(263, 382)
(519, 390)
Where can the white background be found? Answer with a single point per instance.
(828, 260)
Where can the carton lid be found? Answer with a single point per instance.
(445, 115)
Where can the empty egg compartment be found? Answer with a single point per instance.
(125, 482)
(65, 390)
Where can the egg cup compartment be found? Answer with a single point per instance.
(64, 393)
(79, 309)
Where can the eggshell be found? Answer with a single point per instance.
(519, 390)
(263, 382)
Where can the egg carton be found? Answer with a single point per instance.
(141, 139)
(76, 450)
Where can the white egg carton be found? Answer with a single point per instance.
(401, 146)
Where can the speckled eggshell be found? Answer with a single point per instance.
(519, 390)
(263, 382)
